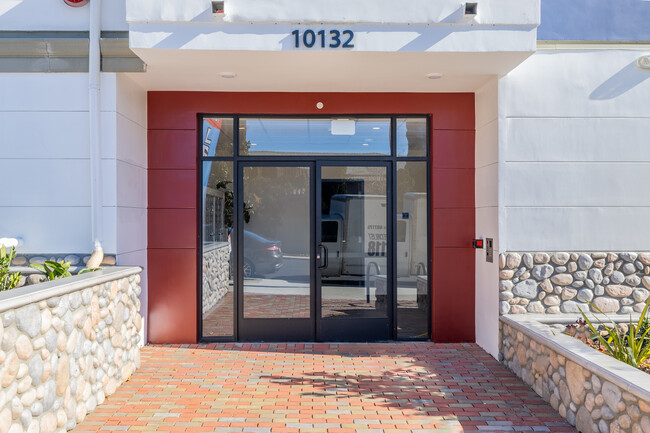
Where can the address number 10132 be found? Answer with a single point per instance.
(324, 38)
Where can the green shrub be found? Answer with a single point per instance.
(8, 280)
(632, 346)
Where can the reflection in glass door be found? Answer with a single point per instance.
(355, 255)
(275, 261)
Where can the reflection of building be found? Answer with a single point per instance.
(214, 227)
(514, 124)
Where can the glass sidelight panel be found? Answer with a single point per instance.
(355, 279)
(411, 139)
(217, 282)
(412, 250)
(276, 264)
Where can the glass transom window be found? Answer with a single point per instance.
(345, 136)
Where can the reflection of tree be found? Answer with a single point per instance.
(244, 146)
(229, 200)
(279, 196)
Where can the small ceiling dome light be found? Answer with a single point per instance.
(227, 74)
(319, 105)
(643, 62)
(434, 75)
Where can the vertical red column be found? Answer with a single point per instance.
(172, 220)
(453, 222)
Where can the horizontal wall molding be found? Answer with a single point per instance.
(595, 45)
(64, 52)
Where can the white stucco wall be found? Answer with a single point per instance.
(131, 179)
(486, 189)
(45, 162)
(575, 152)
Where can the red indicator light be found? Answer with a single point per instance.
(477, 243)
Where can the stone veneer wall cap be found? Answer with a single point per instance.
(624, 376)
(568, 318)
(20, 296)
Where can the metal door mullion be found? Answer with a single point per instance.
(317, 240)
(392, 235)
(238, 245)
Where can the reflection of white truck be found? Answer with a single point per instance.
(355, 235)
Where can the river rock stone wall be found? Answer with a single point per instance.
(562, 282)
(62, 356)
(216, 274)
(582, 395)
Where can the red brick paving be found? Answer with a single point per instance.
(219, 320)
(322, 387)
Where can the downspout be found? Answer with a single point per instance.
(94, 112)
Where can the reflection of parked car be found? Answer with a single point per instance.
(261, 256)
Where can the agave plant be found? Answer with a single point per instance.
(631, 347)
(86, 270)
(53, 270)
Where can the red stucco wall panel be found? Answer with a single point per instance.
(453, 148)
(453, 187)
(453, 282)
(169, 149)
(449, 111)
(174, 189)
(172, 228)
(450, 229)
(172, 297)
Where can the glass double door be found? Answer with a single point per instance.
(315, 262)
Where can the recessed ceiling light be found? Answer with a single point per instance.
(376, 127)
(364, 144)
(227, 74)
(253, 144)
(434, 75)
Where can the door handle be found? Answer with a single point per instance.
(324, 256)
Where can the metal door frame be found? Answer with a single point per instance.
(274, 329)
(311, 160)
(352, 328)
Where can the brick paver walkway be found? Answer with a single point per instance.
(356, 388)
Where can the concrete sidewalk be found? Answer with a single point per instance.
(356, 388)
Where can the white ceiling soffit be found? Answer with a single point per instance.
(321, 72)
